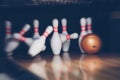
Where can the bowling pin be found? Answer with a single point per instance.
(8, 30)
(25, 29)
(8, 37)
(36, 31)
(56, 43)
(13, 43)
(38, 44)
(64, 38)
(19, 37)
(83, 32)
(89, 25)
(66, 44)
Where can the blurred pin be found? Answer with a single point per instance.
(56, 43)
(89, 25)
(83, 32)
(37, 45)
(36, 31)
(13, 43)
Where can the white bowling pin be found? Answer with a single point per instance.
(66, 44)
(8, 38)
(36, 31)
(38, 44)
(9, 41)
(83, 32)
(56, 43)
(64, 38)
(8, 30)
(19, 37)
(13, 43)
(89, 25)
(24, 29)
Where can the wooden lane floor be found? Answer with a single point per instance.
(77, 67)
(11, 71)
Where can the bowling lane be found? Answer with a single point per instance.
(71, 67)
(11, 71)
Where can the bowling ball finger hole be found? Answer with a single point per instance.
(94, 46)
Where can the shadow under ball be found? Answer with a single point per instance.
(91, 43)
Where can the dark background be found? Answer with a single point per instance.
(105, 23)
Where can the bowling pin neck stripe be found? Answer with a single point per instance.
(55, 29)
(22, 32)
(83, 28)
(64, 28)
(67, 37)
(36, 30)
(81, 36)
(89, 27)
(45, 34)
(8, 30)
(22, 39)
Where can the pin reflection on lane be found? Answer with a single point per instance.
(38, 68)
(35, 66)
(57, 67)
(89, 65)
(66, 62)
(66, 65)
(84, 67)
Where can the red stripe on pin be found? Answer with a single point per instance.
(64, 28)
(81, 36)
(89, 25)
(89, 28)
(55, 29)
(8, 28)
(22, 32)
(67, 37)
(8, 32)
(35, 29)
(83, 30)
(22, 38)
(45, 34)
(82, 26)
